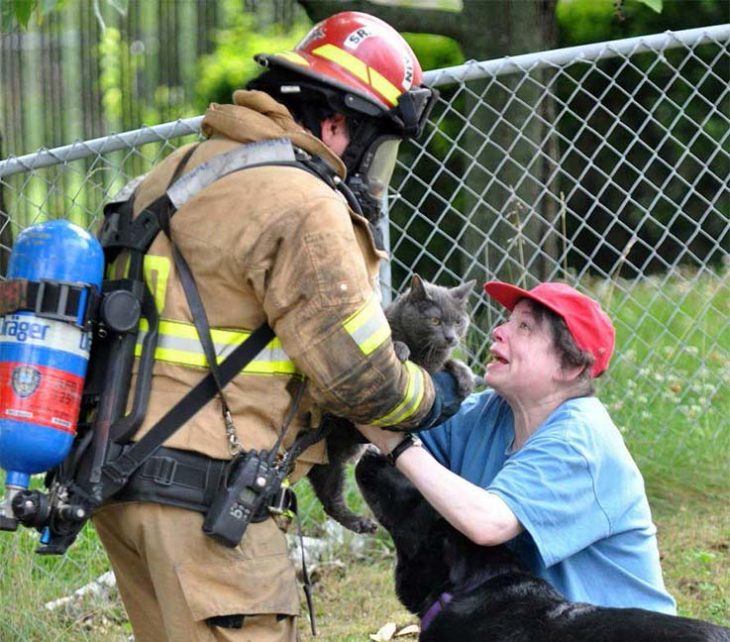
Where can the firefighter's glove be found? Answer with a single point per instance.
(447, 400)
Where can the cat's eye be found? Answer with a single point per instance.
(435, 321)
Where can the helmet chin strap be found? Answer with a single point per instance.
(363, 133)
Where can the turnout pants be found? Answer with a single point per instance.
(173, 579)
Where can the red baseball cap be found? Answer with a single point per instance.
(588, 324)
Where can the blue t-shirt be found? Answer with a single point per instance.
(576, 490)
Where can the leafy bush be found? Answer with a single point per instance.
(232, 65)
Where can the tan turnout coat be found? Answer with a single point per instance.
(272, 244)
(269, 244)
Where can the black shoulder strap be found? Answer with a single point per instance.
(202, 325)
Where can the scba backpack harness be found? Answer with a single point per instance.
(103, 464)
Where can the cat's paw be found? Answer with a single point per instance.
(366, 525)
(402, 351)
(359, 524)
(465, 379)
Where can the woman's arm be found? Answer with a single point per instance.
(480, 515)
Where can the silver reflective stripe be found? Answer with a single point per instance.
(178, 343)
(368, 326)
(266, 151)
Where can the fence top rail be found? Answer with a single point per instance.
(97, 146)
(471, 70)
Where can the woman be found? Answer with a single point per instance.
(536, 462)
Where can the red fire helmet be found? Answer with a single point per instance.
(365, 57)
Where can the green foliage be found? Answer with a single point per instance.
(593, 20)
(110, 79)
(231, 66)
(585, 20)
(18, 13)
(654, 5)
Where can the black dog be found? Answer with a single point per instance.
(464, 592)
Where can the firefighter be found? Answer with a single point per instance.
(276, 244)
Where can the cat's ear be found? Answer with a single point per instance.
(418, 289)
(463, 291)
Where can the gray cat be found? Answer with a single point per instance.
(427, 323)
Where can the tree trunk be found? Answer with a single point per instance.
(508, 152)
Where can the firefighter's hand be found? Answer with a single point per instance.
(447, 400)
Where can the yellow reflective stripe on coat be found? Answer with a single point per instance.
(411, 400)
(178, 343)
(368, 327)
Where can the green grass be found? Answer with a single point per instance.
(668, 393)
(667, 387)
(354, 595)
(28, 581)
(694, 539)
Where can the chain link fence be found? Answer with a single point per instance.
(605, 166)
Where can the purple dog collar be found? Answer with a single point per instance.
(435, 609)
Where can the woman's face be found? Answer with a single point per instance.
(524, 364)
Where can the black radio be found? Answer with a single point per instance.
(249, 485)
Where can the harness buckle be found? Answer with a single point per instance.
(163, 471)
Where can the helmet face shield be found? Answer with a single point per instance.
(378, 165)
(368, 180)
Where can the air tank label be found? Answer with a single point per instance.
(40, 395)
(28, 329)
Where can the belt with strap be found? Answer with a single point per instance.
(188, 480)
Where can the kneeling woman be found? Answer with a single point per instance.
(536, 462)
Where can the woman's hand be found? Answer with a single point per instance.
(385, 440)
